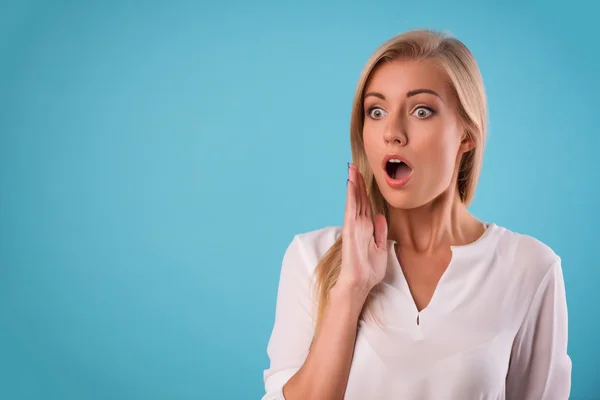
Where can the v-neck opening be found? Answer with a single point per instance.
(457, 252)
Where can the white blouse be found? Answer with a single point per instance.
(495, 328)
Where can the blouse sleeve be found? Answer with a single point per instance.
(293, 328)
(540, 367)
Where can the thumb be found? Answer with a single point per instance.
(380, 229)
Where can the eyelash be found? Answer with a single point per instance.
(431, 110)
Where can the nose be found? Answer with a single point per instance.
(395, 132)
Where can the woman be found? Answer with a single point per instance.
(413, 297)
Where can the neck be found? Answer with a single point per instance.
(434, 226)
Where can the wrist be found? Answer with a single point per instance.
(353, 296)
(352, 288)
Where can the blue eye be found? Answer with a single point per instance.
(375, 112)
(423, 112)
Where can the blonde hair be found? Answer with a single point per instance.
(457, 61)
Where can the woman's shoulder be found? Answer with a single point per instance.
(525, 252)
(304, 252)
(315, 243)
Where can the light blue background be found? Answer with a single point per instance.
(157, 158)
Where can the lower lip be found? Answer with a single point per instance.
(397, 183)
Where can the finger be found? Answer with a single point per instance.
(354, 178)
(381, 231)
(350, 213)
(363, 194)
(368, 202)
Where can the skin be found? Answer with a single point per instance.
(426, 215)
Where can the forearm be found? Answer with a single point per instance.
(324, 374)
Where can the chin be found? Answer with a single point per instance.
(402, 204)
(401, 199)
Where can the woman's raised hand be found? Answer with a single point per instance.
(364, 239)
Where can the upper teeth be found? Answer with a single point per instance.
(395, 160)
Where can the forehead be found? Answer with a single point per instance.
(395, 78)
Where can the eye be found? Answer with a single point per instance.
(375, 112)
(422, 112)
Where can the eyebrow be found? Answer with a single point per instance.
(408, 94)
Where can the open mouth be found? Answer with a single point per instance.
(397, 169)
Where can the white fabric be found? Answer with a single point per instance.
(496, 327)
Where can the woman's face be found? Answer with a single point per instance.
(411, 112)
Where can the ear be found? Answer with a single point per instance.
(467, 143)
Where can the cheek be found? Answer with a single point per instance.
(437, 150)
(372, 149)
